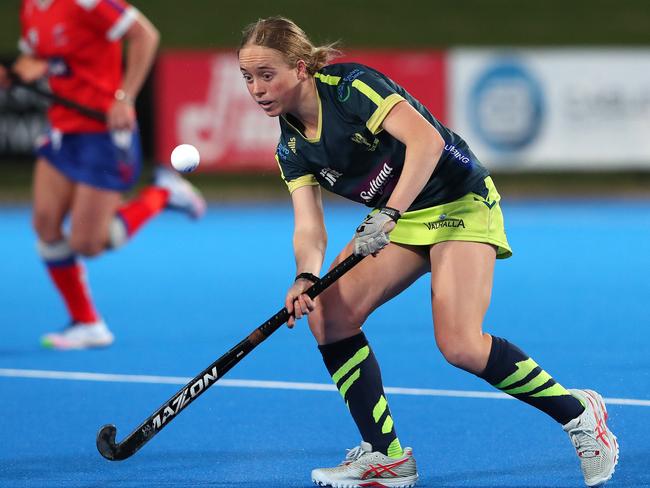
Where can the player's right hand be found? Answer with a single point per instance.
(29, 69)
(121, 116)
(297, 302)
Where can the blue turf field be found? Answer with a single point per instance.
(574, 297)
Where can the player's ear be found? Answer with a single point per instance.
(301, 70)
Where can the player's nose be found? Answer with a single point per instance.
(258, 88)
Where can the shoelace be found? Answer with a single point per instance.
(352, 455)
(583, 439)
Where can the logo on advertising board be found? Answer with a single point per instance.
(507, 106)
(225, 125)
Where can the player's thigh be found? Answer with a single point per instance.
(52, 198)
(344, 306)
(461, 288)
(93, 209)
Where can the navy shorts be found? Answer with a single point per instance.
(106, 160)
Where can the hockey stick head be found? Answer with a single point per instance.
(106, 443)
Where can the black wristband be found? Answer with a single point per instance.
(308, 276)
(393, 213)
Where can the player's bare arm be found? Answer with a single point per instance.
(424, 146)
(143, 39)
(309, 243)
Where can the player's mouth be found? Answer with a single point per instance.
(265, 104)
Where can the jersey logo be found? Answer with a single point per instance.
(282, 151)
(359, 139)
(456, 154)
(292, 144)
(343, 90)
(58, 33)
(330, 175)
(377, 183)
(444, 221)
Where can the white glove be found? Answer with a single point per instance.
(372, 235)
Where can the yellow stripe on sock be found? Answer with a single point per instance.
(533, 384)
(388, 425)
(379, 409)
(555, 390)
(395, 449)
(523, 369)
(348, 383)
(355, 360)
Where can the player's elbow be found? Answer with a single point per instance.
(154, 36)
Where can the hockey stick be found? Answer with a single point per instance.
(83, 110)
(113, 451)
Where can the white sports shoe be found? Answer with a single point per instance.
(79, 336)
(183, 195)
(363, 468)
(595, 444)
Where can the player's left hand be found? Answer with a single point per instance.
(372, 235)
(121, 116)
(30, 69)
(297, 302)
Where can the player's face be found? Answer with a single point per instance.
(272, 83)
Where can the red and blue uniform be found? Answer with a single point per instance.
(81, 40)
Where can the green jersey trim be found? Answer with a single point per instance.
(328, 79)
(306, 180)
(378, 117)
(384, 105)
(376, 98)
(293, 185)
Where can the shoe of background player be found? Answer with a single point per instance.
(595, 444)
(183, 195)
(362, 467)
(79, 336)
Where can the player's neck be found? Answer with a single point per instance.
(307, 108)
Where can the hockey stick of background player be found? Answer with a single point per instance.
(113, 451)
(88, 112)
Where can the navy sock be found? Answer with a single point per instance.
(510, 370)
(356, 374)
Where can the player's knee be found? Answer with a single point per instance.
(87, 246)
(330, 323)
(461, 351)
(46, 228)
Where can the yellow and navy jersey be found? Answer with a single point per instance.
(353, 157)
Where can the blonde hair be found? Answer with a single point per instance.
(285, 36)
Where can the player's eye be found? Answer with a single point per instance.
(267, 76)
(248, 78)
